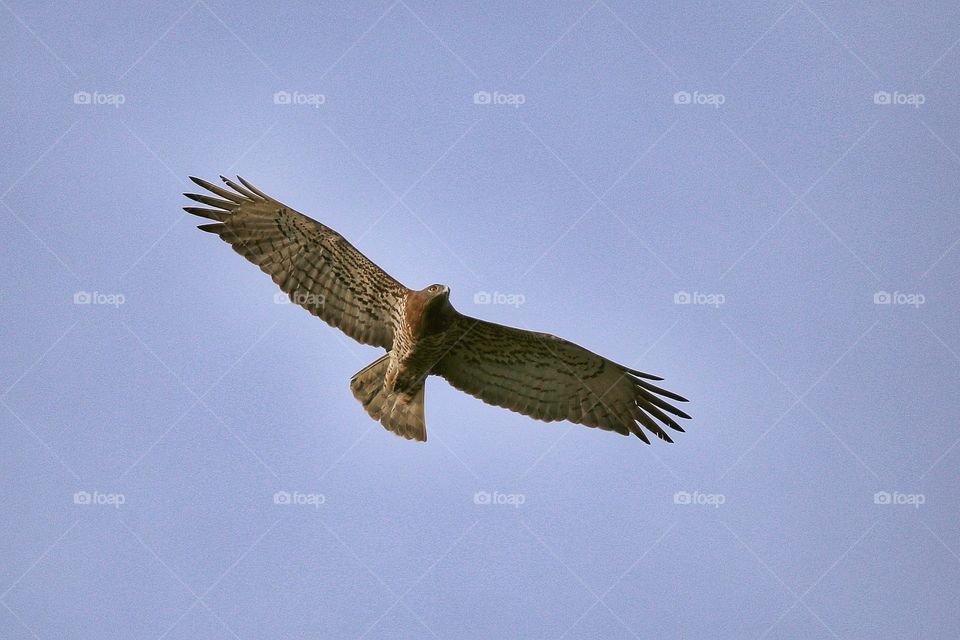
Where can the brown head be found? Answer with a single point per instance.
(429, 310)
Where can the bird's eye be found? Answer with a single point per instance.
(433, 287)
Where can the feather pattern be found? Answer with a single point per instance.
(549, 378)
(311, 262)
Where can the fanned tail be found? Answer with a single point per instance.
(400, 413)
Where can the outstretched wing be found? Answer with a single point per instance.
(549, 379)
(311, 262)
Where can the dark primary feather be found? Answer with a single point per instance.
(311, 262)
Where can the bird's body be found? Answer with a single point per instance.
(420, 339)
(395, 383)
(536, 374)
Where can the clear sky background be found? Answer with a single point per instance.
(790, 170)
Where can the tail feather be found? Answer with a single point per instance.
(400, 413)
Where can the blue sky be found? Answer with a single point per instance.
(755, 200)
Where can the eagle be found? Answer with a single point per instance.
(536, 374)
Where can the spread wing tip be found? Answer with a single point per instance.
(252, 188)
(226, 205)
(653, 412)
(241, 193)
(645, 439)
(246, 190)
(210, 214)
(641, 374)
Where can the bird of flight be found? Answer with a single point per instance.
(536, 374)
